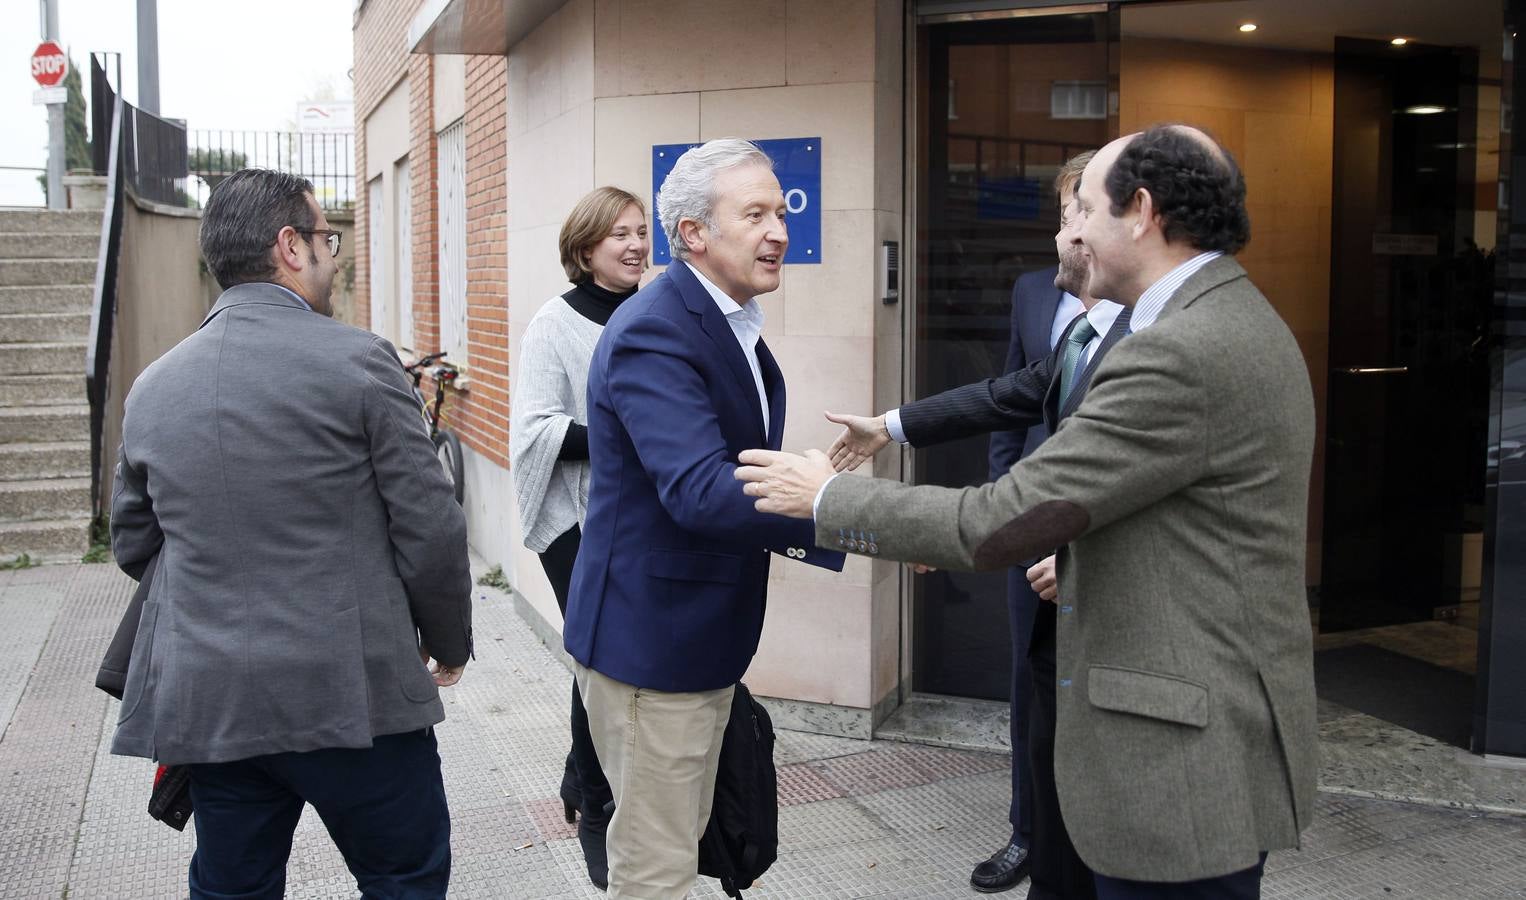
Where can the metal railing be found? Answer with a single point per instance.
(169, 164)
(103, 299)
(325, 159)
(152, 148)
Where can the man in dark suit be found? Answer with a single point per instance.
(1030, 399)
(311, 560)
(667, 598)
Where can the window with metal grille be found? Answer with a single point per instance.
(380, 259)
(1078, 100)
(452, 155)
(403, 181)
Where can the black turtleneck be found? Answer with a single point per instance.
(595, 304)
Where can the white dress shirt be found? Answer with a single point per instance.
(746, 321)
(1070, 307)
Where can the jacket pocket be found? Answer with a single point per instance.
(413, 675)
(1147, 694)
(689, 565)
(139, 662)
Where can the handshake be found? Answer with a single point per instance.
(787, 484)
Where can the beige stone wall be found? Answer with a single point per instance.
(1274, 110)
(589, 93)
(163, 293)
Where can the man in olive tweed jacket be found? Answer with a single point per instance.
(1177, 492)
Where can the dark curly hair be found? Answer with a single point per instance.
(1197, 189)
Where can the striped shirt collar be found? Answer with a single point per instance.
(1153, 300)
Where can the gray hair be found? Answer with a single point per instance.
(688, 191)
(242, 218)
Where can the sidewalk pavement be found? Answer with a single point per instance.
(857, 818)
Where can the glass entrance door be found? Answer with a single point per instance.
(1410, 303)
(1003, 103)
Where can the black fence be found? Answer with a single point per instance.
(167, 164)
(325, 159)
(153, 149)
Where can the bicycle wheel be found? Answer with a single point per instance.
(447, 448)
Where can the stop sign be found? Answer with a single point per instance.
(49, 65)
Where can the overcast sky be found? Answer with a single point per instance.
(233, 65)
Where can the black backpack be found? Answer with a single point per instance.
(742, 839)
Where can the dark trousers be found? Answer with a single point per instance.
(1057, 870)
(1242, 885)
(583, 761)
(1021, 599)
(384, 807)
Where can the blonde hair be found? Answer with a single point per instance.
(1070, 173)
(590, 222)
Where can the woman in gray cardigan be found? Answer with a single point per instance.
(604, 250)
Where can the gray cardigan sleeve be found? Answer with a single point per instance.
(543, 408)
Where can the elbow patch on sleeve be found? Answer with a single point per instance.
(1036, 532)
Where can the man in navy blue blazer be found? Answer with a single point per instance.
(668, 593)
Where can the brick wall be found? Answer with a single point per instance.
(424, 201)
(479, 414)
(484, 423)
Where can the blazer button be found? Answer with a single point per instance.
(1066, 609)
(1064, 682)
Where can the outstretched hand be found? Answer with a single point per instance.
(785, 484)
(861, 438)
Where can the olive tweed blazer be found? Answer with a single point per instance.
(1186, 735)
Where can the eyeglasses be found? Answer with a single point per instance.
(332, 237)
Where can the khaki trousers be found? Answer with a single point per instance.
(659, 751)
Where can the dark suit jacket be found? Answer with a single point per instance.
(1020, 399)
(1027, 398)
(669, 586)
(1035, 303)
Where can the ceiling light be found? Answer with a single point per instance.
(1399, 42)
(1248, 27)
(1423, 109)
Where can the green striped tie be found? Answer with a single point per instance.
(1075, 355)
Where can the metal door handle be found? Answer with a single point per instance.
(1374, 370)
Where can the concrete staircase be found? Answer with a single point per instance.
(47, 268)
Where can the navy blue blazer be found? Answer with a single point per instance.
(669, 587)
(1035, 302)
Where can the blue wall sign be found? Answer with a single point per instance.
(797, 162)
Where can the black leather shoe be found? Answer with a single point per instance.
(1002, 871)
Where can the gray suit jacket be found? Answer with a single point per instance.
(309, 538)
(1186, 737)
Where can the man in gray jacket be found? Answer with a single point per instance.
(312, 559)
(1178, 490)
